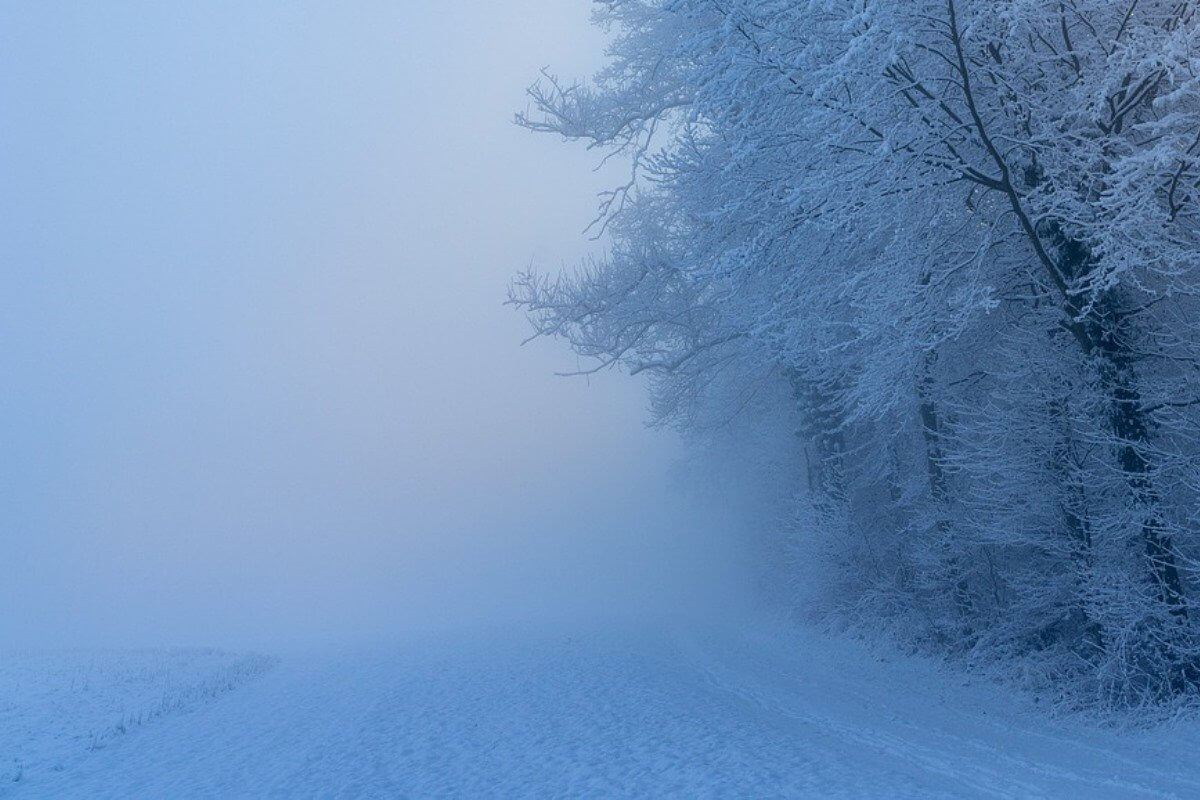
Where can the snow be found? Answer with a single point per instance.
(757, 711)
(57, 706)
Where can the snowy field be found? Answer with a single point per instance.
(758, 713)
(65, 708)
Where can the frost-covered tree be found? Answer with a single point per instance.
(958, 240)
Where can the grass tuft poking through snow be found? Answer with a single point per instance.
(57, 707)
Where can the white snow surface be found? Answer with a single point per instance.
(758, 711)
(57, 706)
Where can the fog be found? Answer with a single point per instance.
(258, 380)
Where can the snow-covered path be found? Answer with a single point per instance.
(752, 714)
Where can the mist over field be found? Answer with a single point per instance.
(258, 378)
(610, 398)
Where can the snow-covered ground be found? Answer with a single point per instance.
(760, 711)
(58, 709)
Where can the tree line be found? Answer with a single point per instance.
(942, 255)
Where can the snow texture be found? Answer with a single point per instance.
(57, 707)
(760, 712)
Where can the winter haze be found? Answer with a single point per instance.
(878, 475)
(258, 380)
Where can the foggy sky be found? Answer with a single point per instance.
(257, 379)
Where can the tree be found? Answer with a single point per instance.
(963, 234)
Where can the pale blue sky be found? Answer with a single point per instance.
(256, 374)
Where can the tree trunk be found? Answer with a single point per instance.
(1074, 509)
(825, 441)
(939, 490)
(1103, 331)
(1127, 420)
